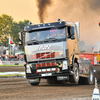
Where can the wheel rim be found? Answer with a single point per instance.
(76, 73)
(91, 75)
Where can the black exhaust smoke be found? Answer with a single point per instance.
(42, 8)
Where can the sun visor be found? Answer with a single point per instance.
(77, 30)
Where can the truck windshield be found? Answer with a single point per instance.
(46, 34)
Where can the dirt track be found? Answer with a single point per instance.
(20, 89)
(11, 69)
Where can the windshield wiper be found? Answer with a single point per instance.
(32, 41)
(48, 39)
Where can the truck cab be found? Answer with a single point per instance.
(51, 51)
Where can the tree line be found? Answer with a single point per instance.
(9, 27)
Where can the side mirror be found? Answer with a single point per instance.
(71, 31)
(20, 36)
(77, 30)
(72, 37)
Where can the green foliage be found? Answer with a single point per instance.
(5, 28)
(23, 24)
(14, 32)
(9, 27)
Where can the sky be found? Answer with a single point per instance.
(86, 12)
(19, 9)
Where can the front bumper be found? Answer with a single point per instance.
(41, 71)
(46, 75)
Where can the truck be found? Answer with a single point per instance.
(52, 52)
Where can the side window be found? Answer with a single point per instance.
(69, 34)
(70, 31)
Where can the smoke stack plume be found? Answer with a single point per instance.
(94, 4)
(42, 8)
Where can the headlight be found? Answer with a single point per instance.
(28, 70)
(65, 65)
(27, 66)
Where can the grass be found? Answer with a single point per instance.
(11, 65)
(13, 75)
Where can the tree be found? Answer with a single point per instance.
(15, 29)
(22, 24)
(5, 28)
(9, 27)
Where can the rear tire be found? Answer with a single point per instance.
(89, 80)
(75, 77)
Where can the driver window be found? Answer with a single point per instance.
(69, 35)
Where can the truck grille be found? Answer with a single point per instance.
(47, 55)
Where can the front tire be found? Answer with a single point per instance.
(75, 77)
(34, 84)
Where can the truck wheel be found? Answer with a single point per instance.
(75, 77)
(34, 84)
(89, 80)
